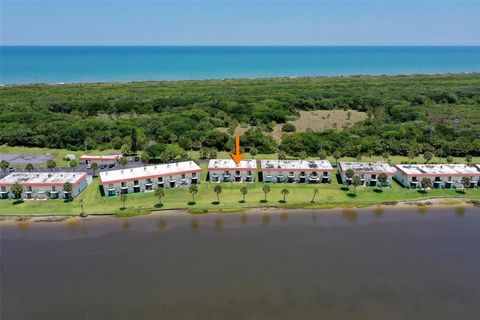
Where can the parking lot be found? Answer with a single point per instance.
(23, 158)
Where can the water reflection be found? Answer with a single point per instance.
(460, 211)
(350, 214)
(194, 224)
(266, 219)
(314, 218)
(378, 212)
(243, 218)
(422, 209)
(72, 224)
(162, 224)
(23, 225)
(126, 225)
(284, 217)
(218, 223)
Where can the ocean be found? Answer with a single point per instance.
(67, 64)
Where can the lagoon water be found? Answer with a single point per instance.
(332, 264)
(53, 64)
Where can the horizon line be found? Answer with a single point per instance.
(240, 45)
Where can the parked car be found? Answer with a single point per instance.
(111, 165)
(89, 166)
(11, 169)
(103, 166)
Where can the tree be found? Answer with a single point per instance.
(281, 155)
(322, 155)
(449, 159)
(468, 159)
(73, 163)
(427, 156)
(285, 193)
(253, 152)
(4, 165)
(193, 189)
(266, 189)
(123, 161)
(315, 192)
(337, 155)
(243, 191)
(439, 153)
(288, 127)
(123, 198)
(218, 190)
(68, 187)
(359, 157)
(382, 178)
(349, 115)
(426, 183)
(125, 150)
(29, 167)
(303, 155)
(94, 166)
(385, 156)
(17, 190)
(51, 164)
(134, 141)
(356, 181)
(159, 193)
(466, 181)
(349, 174)
(411, 155)
(82, 214)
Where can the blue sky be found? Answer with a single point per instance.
(240, 22)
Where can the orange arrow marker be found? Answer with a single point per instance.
(237, 156)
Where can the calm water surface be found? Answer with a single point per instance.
(365, 264)
(51, 64)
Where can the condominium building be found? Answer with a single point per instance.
(44, 185)
(368, 172)
(441, 175)
(148, 178)
(302, 171)
(226, 170)
(110, 159)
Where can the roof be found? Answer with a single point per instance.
(152, 171)
(438, 170)
(368, 167)
(226, 164)
(102, 158)
(296, 165)
(42, 178)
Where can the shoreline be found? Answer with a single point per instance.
(434, 202)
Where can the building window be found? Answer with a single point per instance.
(149, 180)
(4, 189)
(414, 179)
(135, 182)
(54, 188)
(160, 180)
(194, 175)
(29, 188)
(183, 175)
(110, 186)
(124, 184)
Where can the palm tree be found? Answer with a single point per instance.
(382, 178)
(218, 190)
(337, 155)
(123, 198)
(426, 183)
(94, 168)
(427, 156)
(266, 189)
(29, 167)
(159, 193)
(73, 164)
(385, 156)
(123, 161)
(468, 159)
(356, 181)
(51, 164)
(449, 159)
(322, 155)
(243, 191)
(303, 155)
(285, 193)
(411, 156)
(349, 174)
(466, 181)
(4, 165)
(315, 192)
(68, 187)
(253, 152)
(17, 190)
(193, 189)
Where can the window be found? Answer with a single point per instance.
(414, 179)
(135, 182)
(249, 173)
(160, 179)
(29, 188)
(374, 176)
(4, 189)
(183, 175)
(194, 175)
(124, 184)
(54, 188)
(110, 186)
(237, 173)
(149, 180)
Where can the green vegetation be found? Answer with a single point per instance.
(434, 115)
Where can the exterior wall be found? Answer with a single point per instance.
(439, 182)
(45, 192)
(150, 184)
(99, 162)
(296, 176)
(232, 175)
(368, 179)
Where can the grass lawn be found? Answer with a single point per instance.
(330, 195)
